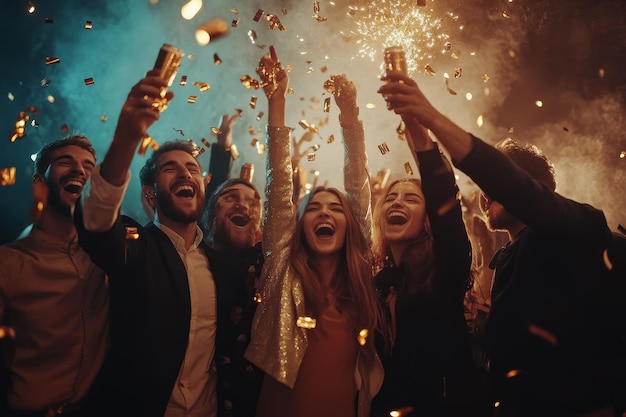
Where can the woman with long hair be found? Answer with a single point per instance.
(423, 256)
(313, 330)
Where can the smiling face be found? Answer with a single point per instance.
(237, 221)
(179, 188)
(404, 213)
(65, 177)
(324, 224)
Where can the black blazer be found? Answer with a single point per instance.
(150, 313)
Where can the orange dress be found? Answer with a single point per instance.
(326, 384)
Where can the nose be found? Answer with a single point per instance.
(184, 172)
(78, 168)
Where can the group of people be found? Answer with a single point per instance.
(233, 303)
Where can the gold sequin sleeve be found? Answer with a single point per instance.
(277, 344)
(356, 176)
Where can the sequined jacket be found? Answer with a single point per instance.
(278, 345)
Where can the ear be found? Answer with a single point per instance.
(147, 193)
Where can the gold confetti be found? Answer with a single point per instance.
(362, 337)
(408, 169)
(234, 153)
(304, 124)
(401, 130)
(511, 130)
(447, 81)
(326, 104)
(274, 22)
(506, 14)
(316, 7)
(260, 148)
(310, 157)
(7, 332)
(88, 25)
(45, 82)
(543, 333)
(202, 86)
(52, 60)
(306, 322)
(89, 81)
(251, 130)
(20, 126)
(458, 72)
(215, 131)
(513, 373)
(258, 15)
(235, 23)
(147, 142)
(65, 128)
(7, 176)
(211, 31)
(104, 118)
(290, 90)
(192, 99)
(252, 36)
(216, 60)
(132, 233)
(383, 148)
(234, 10)
(429, 70)
(253, 102)
(31, 8)
(257, 297)
(320, 18)
(254, 142)
(260, 115)
(197, 150)
(183, 80)
(330, 139)
(179, 131)
(206, 143)
(283, 11)
(250, 82)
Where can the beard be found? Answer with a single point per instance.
(169, 209)
(225, 236)
(55, 202)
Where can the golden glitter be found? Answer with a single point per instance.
(260, 115)
(303, 124)
(215, 131)
(429, 70)
(330, 139)
(260, 148)
(254, 141)
(104, 118)
(52, 60)
(253, 102)
(310, 157)
(250, 82)
(205, 142)
(235, 23)
(408, 169)
(257, 297)
(192, 99)
(235, 10)
(383, 148)
(20, 126)
(89, 81)
(183, 80)
(88, 25)
(7, 176)
(216, 60)
(258, 15)
(132, 233)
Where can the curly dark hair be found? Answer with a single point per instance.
(531, 159)
(147, 175)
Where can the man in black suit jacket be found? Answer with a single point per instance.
(163, 295)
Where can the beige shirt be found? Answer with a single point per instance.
(57, 302)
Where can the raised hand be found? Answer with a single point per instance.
(273, 76)
(225, 133)
(344, 92)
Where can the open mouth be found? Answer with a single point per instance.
(324, 229)
(184, 191)
(240, 219)
(74, 187)
(395, 217)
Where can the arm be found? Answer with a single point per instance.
(356, 178)
(102, 202)
(221, 158)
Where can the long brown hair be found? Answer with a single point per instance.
(353, 285)
(417, 260)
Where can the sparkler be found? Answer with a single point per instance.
(384, 23)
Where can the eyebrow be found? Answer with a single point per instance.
(172, 162)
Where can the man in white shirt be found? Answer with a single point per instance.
(163, 296)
